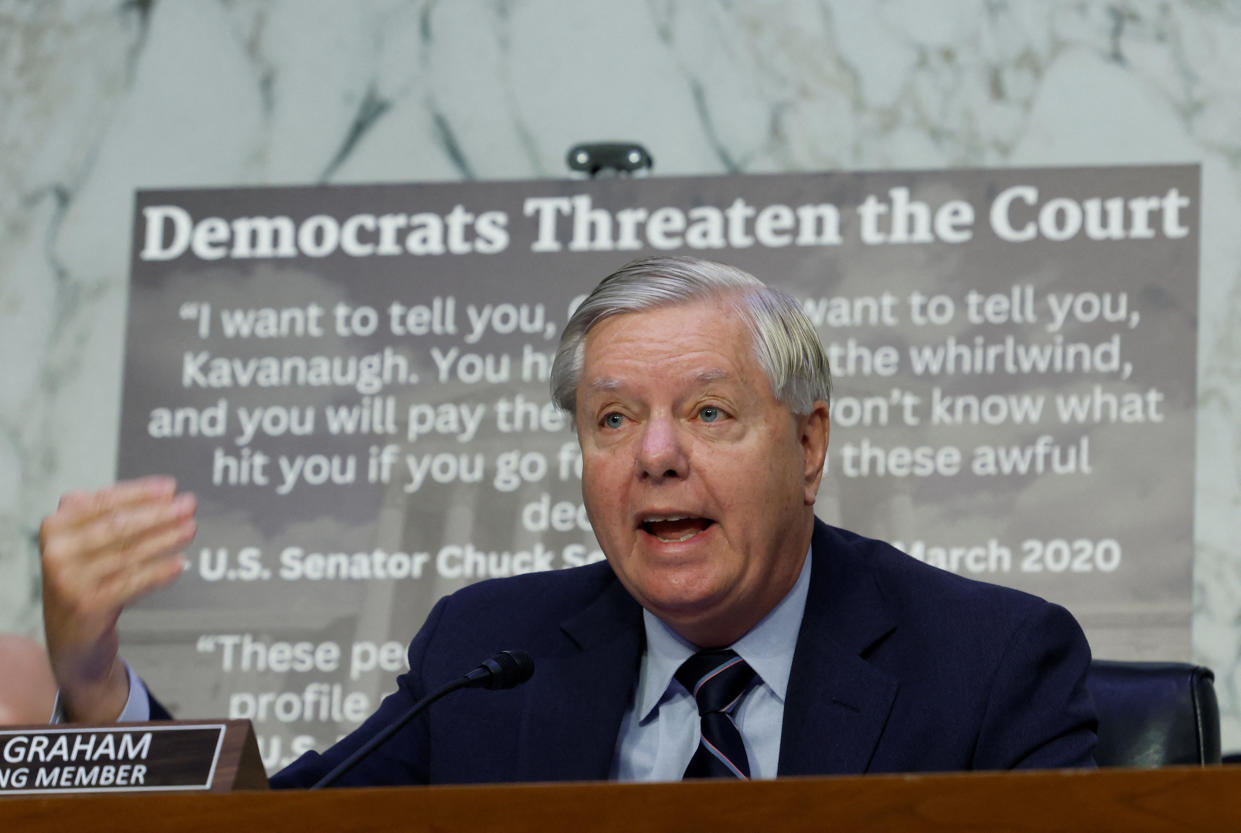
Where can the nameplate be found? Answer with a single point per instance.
(155, 757)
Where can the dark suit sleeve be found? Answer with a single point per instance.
(158, 712)
(1039, 714)
(403, 759)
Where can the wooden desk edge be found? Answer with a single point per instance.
(1175, 798)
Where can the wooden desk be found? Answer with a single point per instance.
(1207, 799)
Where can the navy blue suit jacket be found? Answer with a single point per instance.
(899, 667)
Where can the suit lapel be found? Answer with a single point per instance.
(579, 694)
(837, 702)
(835, 710)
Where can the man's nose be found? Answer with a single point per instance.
(661, 454)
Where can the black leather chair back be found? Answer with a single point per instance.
(1154, 714)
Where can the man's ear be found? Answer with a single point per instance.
(815, 430)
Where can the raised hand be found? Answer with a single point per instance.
(101, 550)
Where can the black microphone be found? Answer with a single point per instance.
(504, 669)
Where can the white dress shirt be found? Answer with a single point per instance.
(660, 732)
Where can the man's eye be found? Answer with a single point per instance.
(613, 420)
(710, 413)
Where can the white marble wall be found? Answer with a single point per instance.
(99, 98)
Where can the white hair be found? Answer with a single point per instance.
(786, 344)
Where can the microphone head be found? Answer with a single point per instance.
(503, 669)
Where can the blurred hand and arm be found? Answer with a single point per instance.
(102, 550)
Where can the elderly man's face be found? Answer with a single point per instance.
(699, 483)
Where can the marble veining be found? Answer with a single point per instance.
(101, 99)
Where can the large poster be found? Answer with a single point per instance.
(353, 381)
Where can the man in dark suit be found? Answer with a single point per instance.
(728, 634)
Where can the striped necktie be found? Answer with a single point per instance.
(718, 680)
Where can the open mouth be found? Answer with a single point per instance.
(675, 529)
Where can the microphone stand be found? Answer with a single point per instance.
(503, 670)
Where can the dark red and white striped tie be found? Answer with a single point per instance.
(718, 680)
